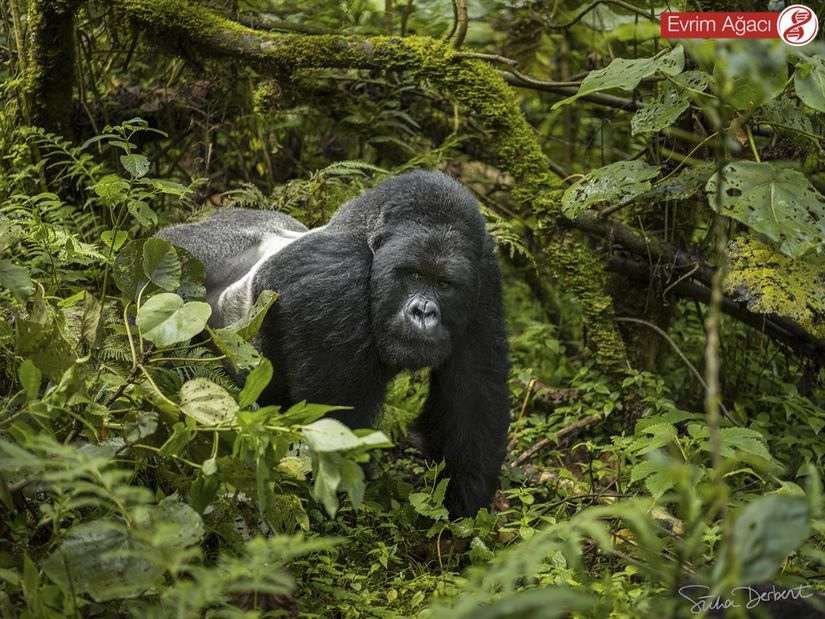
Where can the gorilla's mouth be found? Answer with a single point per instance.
(408, 348)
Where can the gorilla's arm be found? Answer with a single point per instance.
(466, 415)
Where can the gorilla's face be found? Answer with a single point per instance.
(424, 285)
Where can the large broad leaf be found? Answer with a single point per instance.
(16, 279)
(771, 283)
(45, 345)
(626, 74)
(544, 602)
(766, 532)
(334, 448)
(99, 558)
(809, 81)
(779, 203)
(103, 559)
(617, 183)
(749, 72)
(161, 264)
(206, 402)
(671, 103)
(130, 272)
(165, 319)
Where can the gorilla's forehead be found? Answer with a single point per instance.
(437, 250)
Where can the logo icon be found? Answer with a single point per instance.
(797, 25)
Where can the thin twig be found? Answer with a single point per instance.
(461, 19)
(682, 356)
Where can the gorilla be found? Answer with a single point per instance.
(402, 277)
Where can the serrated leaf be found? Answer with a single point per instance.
(771, 283)
(779, 203)
(206, 402)
(617, 183)
(136, 165)
(165, 319)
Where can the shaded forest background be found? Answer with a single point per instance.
(659, 213)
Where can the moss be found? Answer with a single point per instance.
(771, 283)
(49, 77)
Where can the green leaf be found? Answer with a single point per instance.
(136, 165)
(617, 183)
(111, 188)
(206, 402)
(766, 532)
(683, 185)
(779, 203)
(165, 319)
(30, 379)
(809, 81)
(250, 324)
(45, 345)
(626, 74)
(170, 188)
(671, 103)
(771, 283)
(330, 435)
(240, 353)
(100, 559)
(161, 264)
(545, 602)
(256, 382)
(114, 238)
(748, 73)
(16, 279)
(142, 213)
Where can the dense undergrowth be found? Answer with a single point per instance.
(137, 478)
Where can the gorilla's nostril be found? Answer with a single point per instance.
(422, 313)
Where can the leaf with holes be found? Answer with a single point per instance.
(779, 203)
(626, 74)
(206, 402)
(617, 183)
(671, 103)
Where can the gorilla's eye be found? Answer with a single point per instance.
(444, 284)
(415, 276)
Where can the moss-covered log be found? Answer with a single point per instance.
(474, 83)
(50, 66)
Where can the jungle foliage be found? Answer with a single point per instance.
(659, 212)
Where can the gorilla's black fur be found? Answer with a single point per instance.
(402, 277)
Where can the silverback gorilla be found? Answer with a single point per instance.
(402, 277)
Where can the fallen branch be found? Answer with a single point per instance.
(581, 424)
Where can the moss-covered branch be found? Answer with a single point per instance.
(474, 83)
(50, 66)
